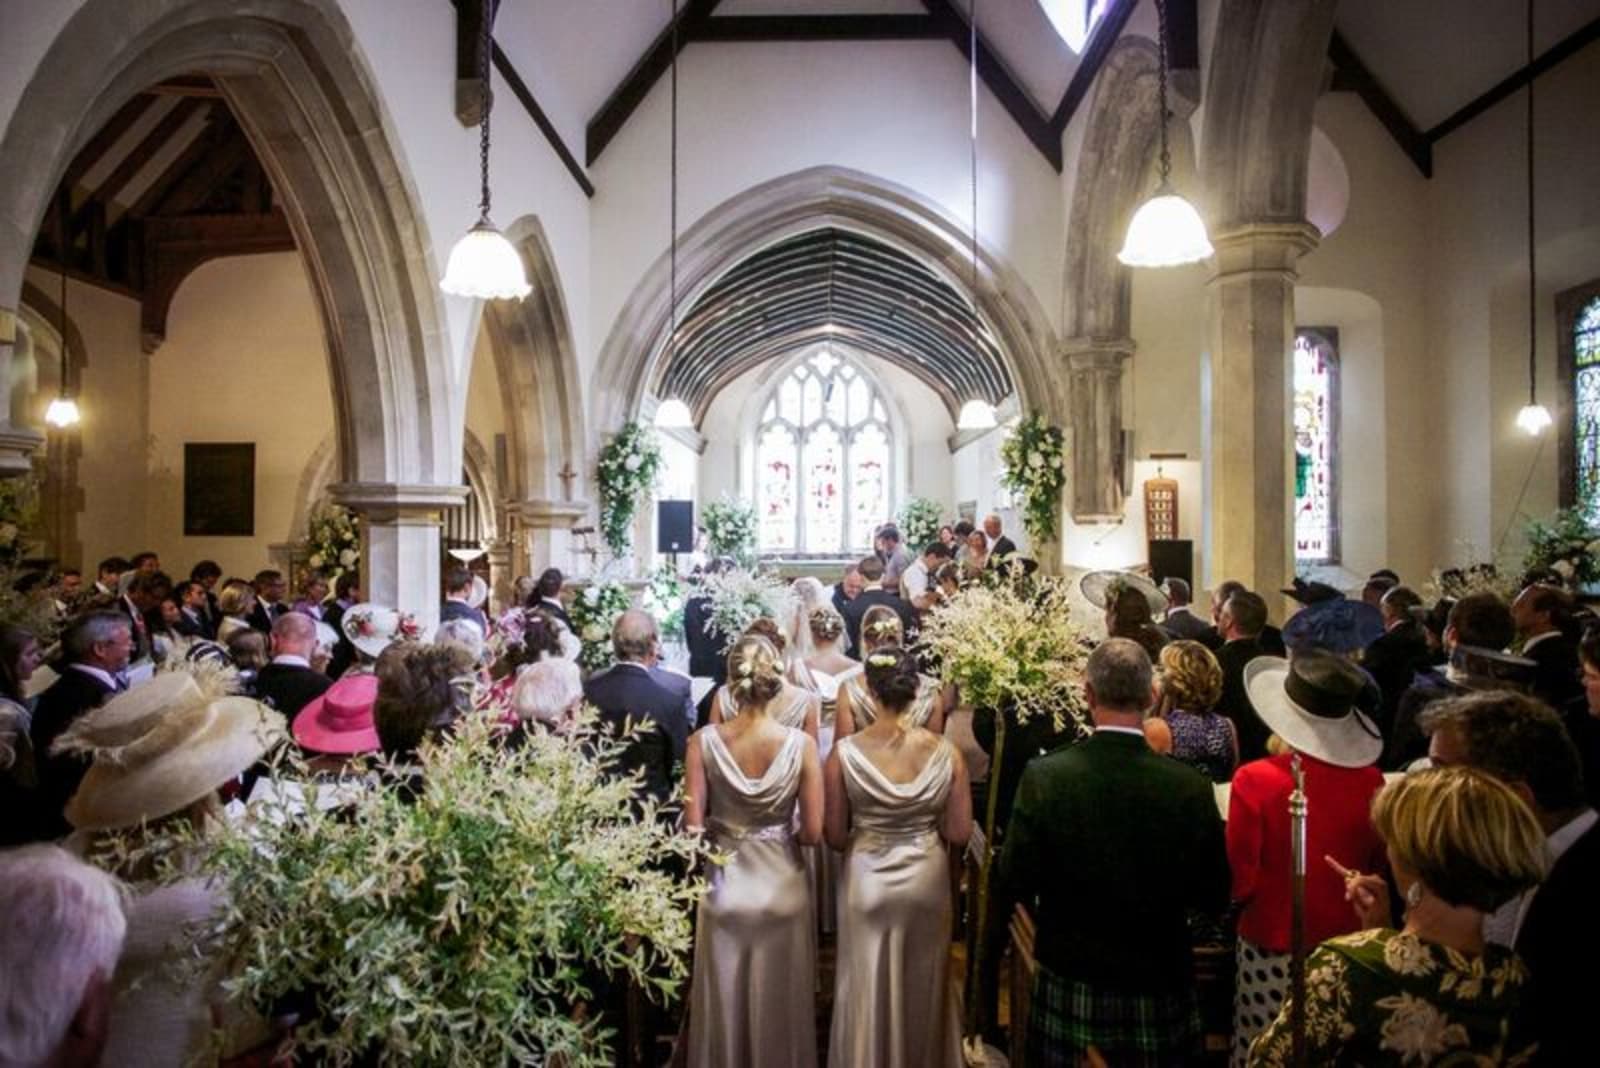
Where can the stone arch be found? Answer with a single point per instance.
(294, 77)
(806, 200)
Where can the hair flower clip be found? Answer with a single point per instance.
(881, 660)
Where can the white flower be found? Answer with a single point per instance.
(347, 558)
(1563, 568)
(592, 595)
(594, 632)
(316, 560)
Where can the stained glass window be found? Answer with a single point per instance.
(1316, 430)
(1586, 407)
(823, 454)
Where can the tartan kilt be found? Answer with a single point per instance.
(1066, 1017)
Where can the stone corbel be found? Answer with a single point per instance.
(1094, 377)
(549, 515)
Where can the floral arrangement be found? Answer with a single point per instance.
(32, 606)
(628, 467)
(731, 530)
(1035, 470)
(739, 598)
(664, 599)
(593, 613)
(333, 540)
(1568, 544)
(459, 924)
(19, 517)
(919, 520)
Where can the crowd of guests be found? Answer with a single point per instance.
(1447, 754)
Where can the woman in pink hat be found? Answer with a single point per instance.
(339, 724)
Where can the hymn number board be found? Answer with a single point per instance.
(1161, 509)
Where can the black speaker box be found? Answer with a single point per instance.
(1172, 559)
(674, 526)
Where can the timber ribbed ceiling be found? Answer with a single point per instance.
(834, 283)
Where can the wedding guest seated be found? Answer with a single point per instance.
(793, 706)
(1129, 615)
(371, 629)
(630, 694)
(339, 723)
(962, 531)
(1186, 725)
(548, 694)
(1310, 704)
(1180, 620)
(1544, 620)
(1110, 845)
(1376, 586)
(754, 788)
(422, 691)
(1460, 844)
(896, 793)
(1329, 620)
(94, 649)
(108, 575)
(62, 929)
(465, 633)
(192, 622)
(237, 603)
(346, 595)
(1240, 622)
(1554, 926)
(289, 682)
(457, 600)
(1394, 658)
(872, 595)
(19, 767)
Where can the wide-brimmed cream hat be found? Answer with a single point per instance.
(372, 628)
(1309, 702)
(162, 746)
(1098, 588)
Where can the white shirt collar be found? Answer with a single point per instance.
(1120, 730)
(1568, 833)
(291, 660)
(1537, 638)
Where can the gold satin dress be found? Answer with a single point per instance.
(820, 859)
(893, 1003)
(755, 951)
(864, 707)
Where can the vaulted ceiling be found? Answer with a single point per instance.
(834, 283)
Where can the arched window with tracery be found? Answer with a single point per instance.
(823, 454)
(1578, 334)
(1316, 445)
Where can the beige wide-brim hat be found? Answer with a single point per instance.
(132, 713)
(372, 628)
(1096, 587)
(187, 753)
(1311, 720)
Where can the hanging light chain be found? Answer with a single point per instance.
(1161, 76)
(972, 138)
(1533, 262)
(486, 13)
(672, 247)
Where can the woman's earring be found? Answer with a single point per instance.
(1414, 895)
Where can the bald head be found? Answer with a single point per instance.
(633, 636)
(294, 634)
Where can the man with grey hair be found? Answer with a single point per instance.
(289, 682)
(96, 648)
(632, 693)
(548, 692)
(1110, 846)
(61, 932)
(1180, 621)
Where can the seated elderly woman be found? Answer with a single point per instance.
(1460, 845)
(547, 694)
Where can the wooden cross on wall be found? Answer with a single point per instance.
(566, 475)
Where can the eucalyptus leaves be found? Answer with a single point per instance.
(1035, 470)
(628, 467)
(730, 530)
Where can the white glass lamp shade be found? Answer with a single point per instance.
(673, 414)
(1533, 418)
(63, 412)
(976, 414)
(485, 266)
(1166, 231)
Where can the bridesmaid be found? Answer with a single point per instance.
(894, 790)
(823, 673)
(795, 706)
(753, 995)
(880, 628)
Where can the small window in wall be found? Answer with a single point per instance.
(1316, 445)
(823, 448)
(1578, 321)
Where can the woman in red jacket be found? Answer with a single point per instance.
(1310, 705)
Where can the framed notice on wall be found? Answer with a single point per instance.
(219, 490)
(1160, 509)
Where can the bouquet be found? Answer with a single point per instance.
(1035, 471)
(730, 530)
(920, 519)
(333, 541)
(739, 598)
(593, 613)
(1568, 544)
(628, 466)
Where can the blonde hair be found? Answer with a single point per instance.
(880, 626)
(235, 599)
(755, 671)
(1467, 836)
(1191, 678)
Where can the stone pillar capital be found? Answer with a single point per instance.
(398, 501)
(539, 514)
(1266, 247)
(17, 446)
(1095, 353)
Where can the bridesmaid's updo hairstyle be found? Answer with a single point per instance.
(880, 626)
(768, 629)
(755, 671)
(892, 677)
(826, 624)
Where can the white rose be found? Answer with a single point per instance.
(632, 463)
(592, 595)
(316, 560)
(1035, 460)
(593, 632)
(1563, 568)
(347, 558)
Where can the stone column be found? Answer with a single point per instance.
(502, 573)
(1094, 376)
(547, 529)
(1245, 396)
(17, 443)
(400, 542)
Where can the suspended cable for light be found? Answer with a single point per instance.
(63, 411)
(673, 413)
(483, 264)
(977, 413)
(1166, 231)
(1534, 417)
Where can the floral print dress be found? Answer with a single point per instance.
(1387, 997)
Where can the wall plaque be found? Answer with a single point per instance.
(219, 490)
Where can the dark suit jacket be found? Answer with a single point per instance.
(1235, 703)
(1184, 625)
(867, 599)
(262, 619)
(462, 610)
(1003, 546)
(1024, 742)
(1555, 680)
(840, 601)
(289, 687)
(1393, 661)
(705, 646)
(68, 698)
(198, 627)
(1559, 941)
(1110, 820)
(630, 693)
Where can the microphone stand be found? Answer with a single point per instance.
(1297, 927)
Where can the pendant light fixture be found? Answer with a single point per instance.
(484, 265)
(673, 414)
(1166, 231)
(1534, 417)
(977, 413)
(63, 411)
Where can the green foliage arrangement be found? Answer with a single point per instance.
(462, 924)
(19, 517)
(333, 540)
(628, 467)
(731, 530)
(1568, 544)
(739, 598)
(664, 597)
(33, 611)
(1035, 471)
(593, 612)
(920, 519)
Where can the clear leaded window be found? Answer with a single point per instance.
(1586, 407)
(1316, 449)
(822, 460)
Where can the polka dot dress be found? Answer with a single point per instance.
(1260, 986)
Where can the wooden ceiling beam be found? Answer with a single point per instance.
(148, 146)
(1094, 56)
(1544, 63)
(1354, 74)
(657, 59)
(765, 28)
(103, 139)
